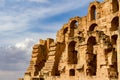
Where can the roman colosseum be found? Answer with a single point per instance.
(86, 48)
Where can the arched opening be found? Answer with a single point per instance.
(92, 27)
(72, 53)
(64, 33)
(114, 24)
(73, 26)
(115, 5)
(90, 43)
(91, 57)
(71, 72)
(65, 30)
(114, 39)
(112, 58)
(93, 12)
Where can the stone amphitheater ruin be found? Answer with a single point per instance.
(86, 48)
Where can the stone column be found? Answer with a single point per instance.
(118, 48)
(65, 57)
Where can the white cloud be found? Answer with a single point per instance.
(25, 44)
(14, 59)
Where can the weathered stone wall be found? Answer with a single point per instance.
(86, 48)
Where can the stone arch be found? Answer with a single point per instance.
(72, 53)
(114, 24)
(93, 10)
(73, 25)
(90, 43)
(115, 5)
(73, 20)
(91, 57)
(92, 27)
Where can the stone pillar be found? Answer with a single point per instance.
(118, 48)
(118, 55)
(66, 56)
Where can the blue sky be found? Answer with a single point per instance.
(24, 22)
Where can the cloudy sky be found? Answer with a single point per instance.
(24, 22)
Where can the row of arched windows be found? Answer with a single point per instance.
(74, 25)
(72, 53)
(91, 42)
